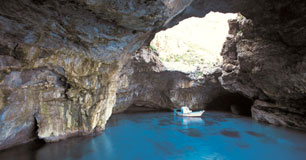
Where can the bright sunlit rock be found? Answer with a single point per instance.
(193, 43)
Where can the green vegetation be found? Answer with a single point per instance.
(239, 32)
(194, 56)
(152, 48)
(240, 16)
(186, 58)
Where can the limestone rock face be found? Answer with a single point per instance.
(60, 61)
(271, 71)
(280, 114)
(144, 82)
(137, 14)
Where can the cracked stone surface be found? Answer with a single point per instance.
(60, 61)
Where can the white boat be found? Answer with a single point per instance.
(186, 112)
(192, 114)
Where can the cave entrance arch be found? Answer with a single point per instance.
(195, 44)
(190, 52)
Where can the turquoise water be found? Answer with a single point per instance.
(155, 136)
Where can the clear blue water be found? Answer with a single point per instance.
(155, 136)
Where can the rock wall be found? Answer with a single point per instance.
(145, 82)
(60, 61)
(270, 71)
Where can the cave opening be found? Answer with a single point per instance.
(231, 102)
(194, 45)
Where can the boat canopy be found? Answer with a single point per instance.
(185, 109)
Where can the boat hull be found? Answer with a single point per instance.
(191, 114)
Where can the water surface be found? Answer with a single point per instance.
(154, 136)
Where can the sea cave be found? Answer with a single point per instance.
(101, 79)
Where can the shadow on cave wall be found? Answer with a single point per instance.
(143, 109)
(231, 102)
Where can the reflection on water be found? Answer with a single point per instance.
(216, 135)
(191, 120)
